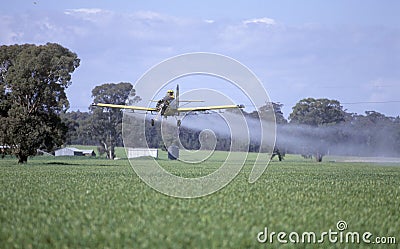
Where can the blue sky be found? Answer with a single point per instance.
(344, 50)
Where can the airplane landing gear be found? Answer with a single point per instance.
(152, 122)
(178, 122)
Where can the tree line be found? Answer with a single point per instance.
(318, 127)
(33, 115)
(314, 128)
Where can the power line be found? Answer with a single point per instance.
(371, 102)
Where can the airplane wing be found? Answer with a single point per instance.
(131, 107)
(208, 108)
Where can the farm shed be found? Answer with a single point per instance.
(139, 152)
(71, 151)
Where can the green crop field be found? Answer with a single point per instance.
(95, 203)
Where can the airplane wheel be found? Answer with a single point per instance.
(152, 122)
(179, 122)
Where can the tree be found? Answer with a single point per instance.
(377, 133)
(277, 109)
(107, 122)
(316, 113)
(33, 80)
(268, 112)
(79, 128)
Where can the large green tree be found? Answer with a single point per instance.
(316, 113)
(107, 122)
(33, 80)
(265, 112)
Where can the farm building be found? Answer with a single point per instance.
(70, 151)
(139, 152)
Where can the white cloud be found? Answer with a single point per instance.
(83, 11)
(94, 15)
(263, 20)
(149, 15)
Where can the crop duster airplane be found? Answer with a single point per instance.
(170, 106)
